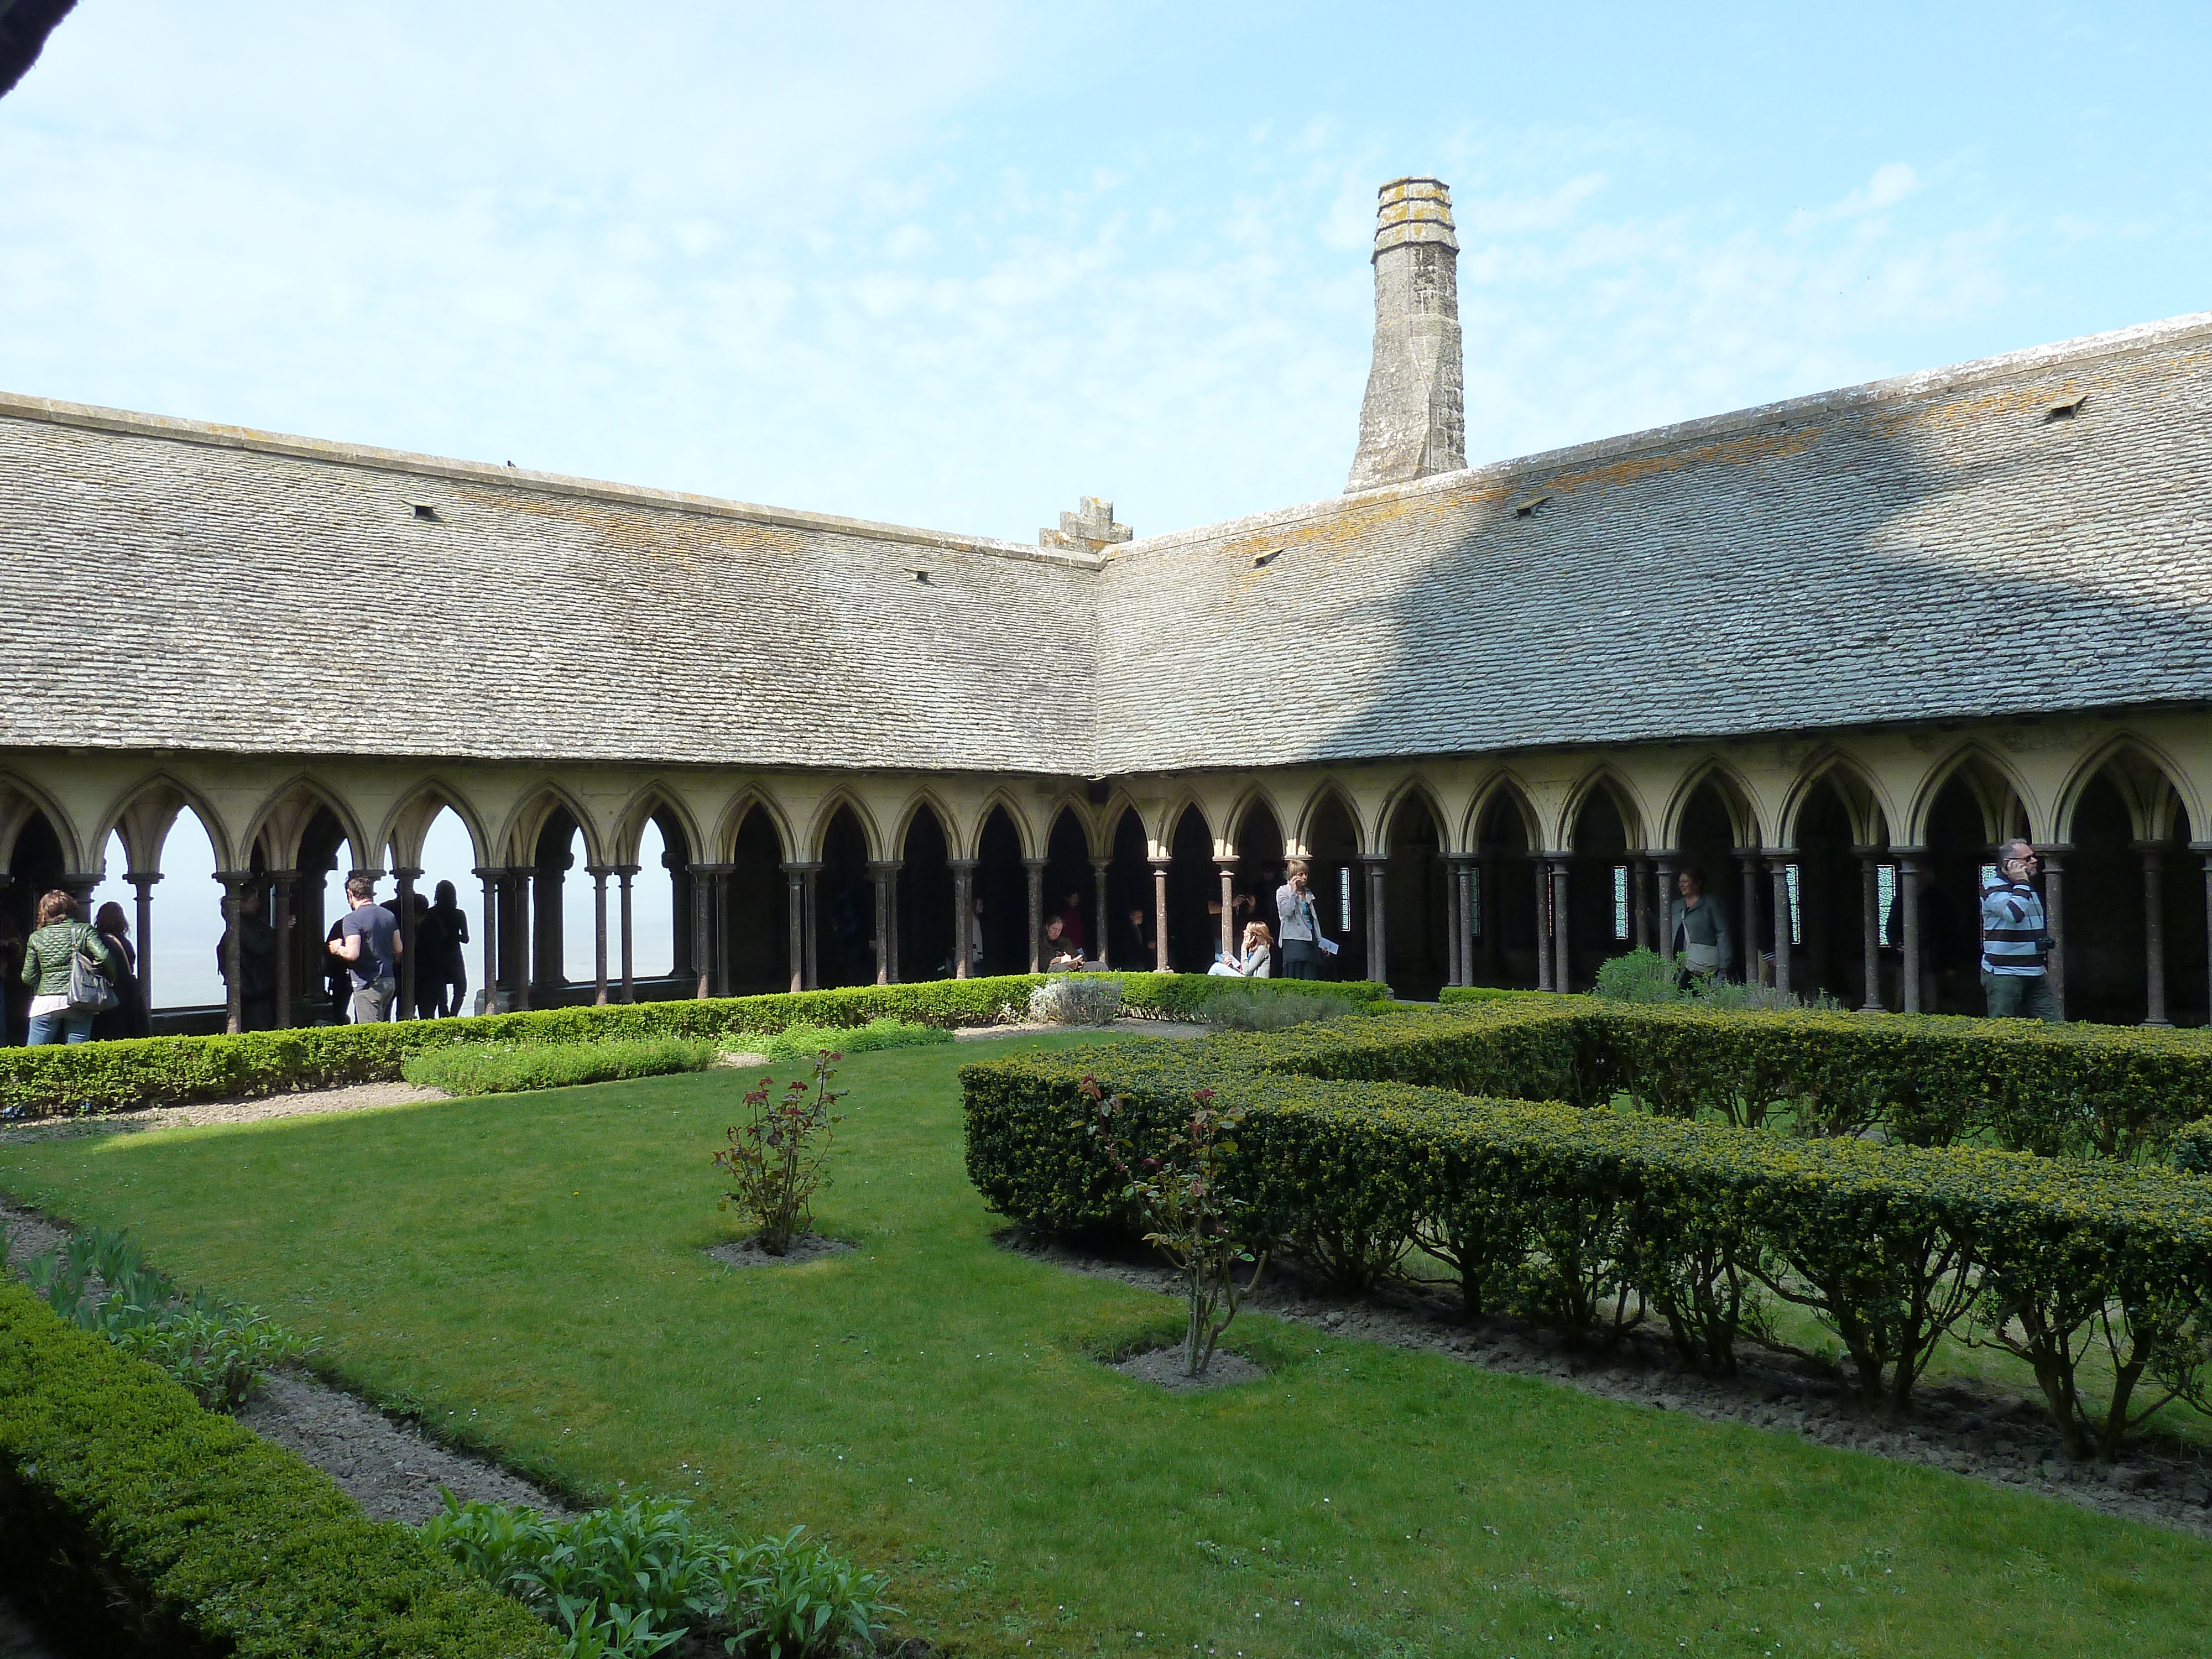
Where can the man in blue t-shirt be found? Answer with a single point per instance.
(369, 940)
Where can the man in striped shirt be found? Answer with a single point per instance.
(2015, 946)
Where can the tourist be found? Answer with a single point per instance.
(1070, 922)
(369, 938)
(130, 1017)
(1303, 942)
(438, 936)
(2015, 946)
(1059, 956)
(1142, 943)
(1254, 960)
(53, 949)
(257, 963)
(1699, 931)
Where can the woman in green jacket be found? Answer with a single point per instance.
(61, 937)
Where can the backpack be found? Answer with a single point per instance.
(89, 991)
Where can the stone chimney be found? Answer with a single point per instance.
(1414, 421)
(1089, 529)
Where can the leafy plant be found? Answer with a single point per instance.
(1242, 1008)
(778, 1159)
(1645, 976)
(99, 1281)
(632, 1579)
(1077, 1000)
(1194, 1220)
(805, 1040)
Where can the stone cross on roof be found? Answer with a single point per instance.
(1089, 529)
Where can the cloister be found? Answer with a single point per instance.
(1850, 859)
(1826, 653)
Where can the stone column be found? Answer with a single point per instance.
(1663, 910)
(628, 872)
(490, 876)
(2153, 864)
(1462, 952)
(1871, 925)
(598, 873)
(234, 884)
(963, 914)
(1034, 867)
(703, 929)
(2054, 919)
(1544, 922)
(1640, 879)
(518, 909)
(1230, 945)
(280, 917)
(1159, 916)
(800, 951)
(1562, 932)
(1098, 869)
(1779, 868)
(1378, 942)
(144, 884)
(2203, 849)
(810, 956)
(1748, 933)
(1908, 927)
(883, 875)
(406, 874)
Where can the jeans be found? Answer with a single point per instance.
(66, 1025)
(2019, 996)
(371, 1004)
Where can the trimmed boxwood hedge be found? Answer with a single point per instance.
(1359, 1139)
(122, 1501)
(107, 1077)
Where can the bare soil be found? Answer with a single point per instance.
(1165, 1367)
(806, 1246)
(1982, 1433)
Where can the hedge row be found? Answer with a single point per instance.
(2076, 1089)
(1593, 1220)
(123, 1502)
(173, 1071)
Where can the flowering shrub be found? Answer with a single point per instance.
(1194, 1220)
(777, 1160)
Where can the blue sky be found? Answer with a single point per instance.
(957, 266)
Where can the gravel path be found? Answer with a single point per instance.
(308, 1103)
(2001, 1438)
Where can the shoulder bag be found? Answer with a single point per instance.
(89, 991)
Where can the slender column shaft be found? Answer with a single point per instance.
(1908, 921)
(234, 889)
(811, 875)
(1378, 941)
(703, 924)
(2208, 908)
(1159, 916)
(627, 872)
(519, 908)
(795, 944)
(1102, 926)
(1228, 940)
(1749, 932)
(1543, 868)
(883, 876)
(1664, 909)
(963, 914)
(145, 886)
(599, 872)
(1035, 869)
(1870, 927)
(1639, 888)
(280, 916)
(2154, 865)
(490, 878)
(1779, 869)
(2054, 920)
(406, 875)
(1562, 933)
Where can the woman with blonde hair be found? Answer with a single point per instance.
(1255, 961)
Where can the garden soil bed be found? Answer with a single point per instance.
(807, 1246)
(1163, 1366)
(1984, 1434)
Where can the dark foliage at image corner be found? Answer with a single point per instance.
(24, 27)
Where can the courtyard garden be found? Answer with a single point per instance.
(526, 1271)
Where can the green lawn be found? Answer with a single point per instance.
(527, 1268)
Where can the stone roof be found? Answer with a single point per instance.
(2030, 533)
(2024, 534)
(177, 586)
